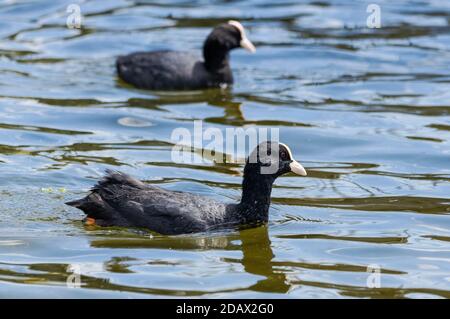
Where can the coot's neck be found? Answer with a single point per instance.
(216, 51)
(216, 58)
(255, 201)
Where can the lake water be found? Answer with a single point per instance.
(367, 111)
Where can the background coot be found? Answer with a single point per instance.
(179, 70)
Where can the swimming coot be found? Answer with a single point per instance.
(178, 70)
(120, 200)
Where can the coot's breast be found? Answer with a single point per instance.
(163, 70)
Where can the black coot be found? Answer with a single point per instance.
(120, 200)
(178, 70)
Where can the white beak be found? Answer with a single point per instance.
(246, 44)
(297, 168)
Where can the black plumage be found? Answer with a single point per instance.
(179, 70)
(120, 200)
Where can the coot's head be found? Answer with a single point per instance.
(272, 159)
(224, 38)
